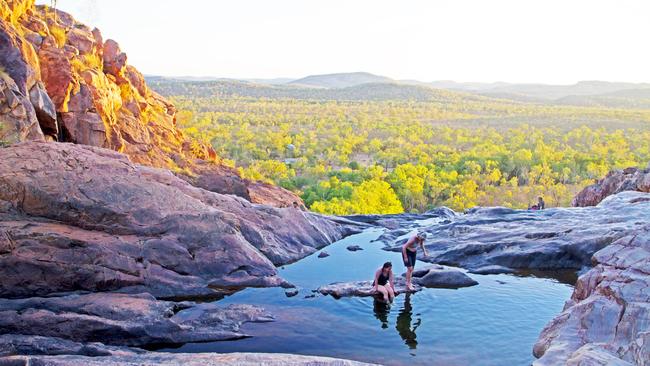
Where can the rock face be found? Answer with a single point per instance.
(607, 319)
(187, 359)
(60, 80)
(630, 179)
(75, 217)
(361, 288)
(557, 238)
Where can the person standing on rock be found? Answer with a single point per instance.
(384, 282)
(409, 255)
(540, 203)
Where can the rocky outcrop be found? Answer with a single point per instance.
(556, 238)
(187, 359)
(76, 217)
(362, 288)
(607, 319)
(60, 80)
(122, 319)
(630, 179)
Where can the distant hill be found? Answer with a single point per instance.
(342, 80)
(343, 86)
(361, 92)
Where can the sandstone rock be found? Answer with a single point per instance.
(17, 114)
(121, 319)
(74, 217)
(19, 344)
(362, 288)
(44, 108)
(291, 292)
(493, 269)
(630, 179)
(186, 359)
(56, 72)
(114, 59)
(101, 101)
(607, 320)
(556, 238)
(437, 276)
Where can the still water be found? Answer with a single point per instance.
(494, 323)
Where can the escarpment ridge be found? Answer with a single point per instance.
(60, 80)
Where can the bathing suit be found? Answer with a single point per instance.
(382, 280)
(410, 258)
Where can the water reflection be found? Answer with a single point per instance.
(381, 310)
(403, 326)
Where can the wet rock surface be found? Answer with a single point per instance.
(362, 288)
(187, 359)
(555, 238)
(607, 319)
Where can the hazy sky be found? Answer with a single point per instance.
(550, 41)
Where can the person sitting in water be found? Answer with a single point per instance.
(384, 282)
(409, 254)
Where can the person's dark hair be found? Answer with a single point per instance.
(387, 265)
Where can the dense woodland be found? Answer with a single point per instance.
(392, 154)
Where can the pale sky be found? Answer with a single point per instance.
(548, 41)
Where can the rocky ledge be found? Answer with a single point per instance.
(362, 288)
(607, 319)
(433, 276)
(76, 217)
(186, 359)
(555, 238)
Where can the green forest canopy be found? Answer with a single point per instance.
(372, 154)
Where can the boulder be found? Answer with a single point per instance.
(607, 319)
(362, 288)
(442, 277)
(630, 179)
(186, 359)
(493, 269)
(354, 248)
(323, 254)
(75, 217)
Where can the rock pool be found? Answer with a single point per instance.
(494, 323)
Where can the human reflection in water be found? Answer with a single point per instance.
(403, 326)
(381, 309)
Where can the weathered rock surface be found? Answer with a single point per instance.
(123, 319)
(630, 179)
(556, 238)
(437, 276)
(60, 80)
(362, 288)
(607, 319)
(186, 359)
(75, 217)
(19, 344)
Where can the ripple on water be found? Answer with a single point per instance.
(494, 323)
